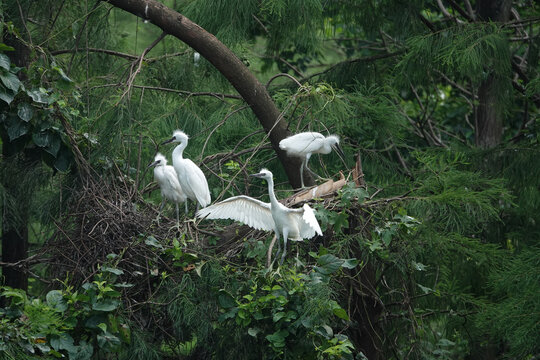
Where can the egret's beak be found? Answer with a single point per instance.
(168, 141)
(258, 175)
(153, 164)
(339, 151)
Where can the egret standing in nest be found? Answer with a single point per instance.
(307, 143)
(190, 176)
(168, 182)
(294, 224)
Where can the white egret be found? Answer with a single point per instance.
(307, 143)
(168, 182)
(191, 178)
(294, 224)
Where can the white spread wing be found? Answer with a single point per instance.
(308, 225)
(303, 143)
(250, 211)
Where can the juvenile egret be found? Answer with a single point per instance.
(307, 143)
(191, 178)
(168, 182)
(294, 224)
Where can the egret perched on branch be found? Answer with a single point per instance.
(294, 224)
(191, 178)
(168, 182)
(307, 143)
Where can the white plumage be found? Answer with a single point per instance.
(191, 178)
(287, 223)
(307, 143)
(166, 177)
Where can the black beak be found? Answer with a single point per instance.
(154, 163)
(339, 151)
(168, 141)
(258, 175)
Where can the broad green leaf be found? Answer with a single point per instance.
(152, 241)
(10, 80)
(6, 95)
(4, 61)
(16, 128)
(328, 264)
(112, 270)
(62, 342)
(63, 158)
(108, 341)
(341, 313)
(102, 326)
(254, 331)
(49, 141)
(82, 352)
(55, 300)
(106, 305)
(278, 316)
(38, 96)
(350, 263)
(4, 47)
(25, 111)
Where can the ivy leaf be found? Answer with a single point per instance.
(4, 61)
(253, 331)
(63, 158)
(6, 95)
(15, 127)
(38, 96)
(10, 80)
(25, 111)
(108, 340)
(51, 142)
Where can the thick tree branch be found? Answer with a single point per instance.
(225, 61)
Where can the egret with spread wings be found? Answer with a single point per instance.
(307, 143)
(190, 176)
(287, 223)
(166, 177)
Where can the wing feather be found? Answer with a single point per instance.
(250, 211)
(303, 143)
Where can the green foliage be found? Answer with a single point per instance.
(80, 324)
(291, 313)
(512, 316)
(30, 117)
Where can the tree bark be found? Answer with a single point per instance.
(247, 85)
(490, 113)
(14, 239)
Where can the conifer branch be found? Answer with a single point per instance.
(219, 96)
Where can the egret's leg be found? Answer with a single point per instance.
(308, 169)
(278, 245)
(177, 216)
(302, 173)
(186, 204)
(285, 235)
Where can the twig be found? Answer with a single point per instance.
(139, 65)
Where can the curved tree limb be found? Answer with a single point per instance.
(245, 82)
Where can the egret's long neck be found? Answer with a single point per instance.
(178, 151)
(273, 199)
